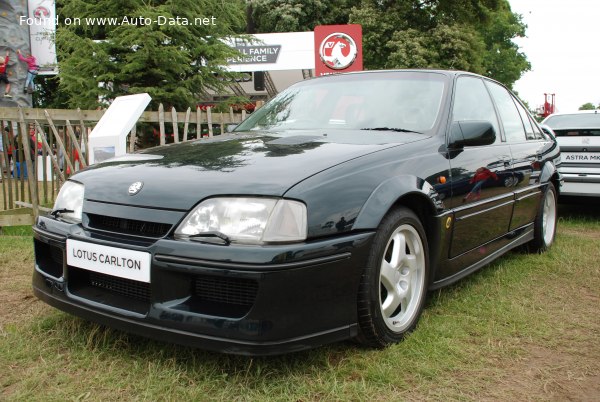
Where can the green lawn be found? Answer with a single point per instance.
(524, 327)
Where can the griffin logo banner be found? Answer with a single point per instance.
(338, 49)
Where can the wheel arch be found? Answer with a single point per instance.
(550, 174)
(413, 193)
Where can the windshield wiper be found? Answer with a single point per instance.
(399, 130)
(213, 237)
(60, 211)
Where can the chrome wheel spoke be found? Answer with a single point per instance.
(402, 278)
(392, 301)
(398, 250)
(388, 276)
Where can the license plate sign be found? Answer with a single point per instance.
(581, 157)
(123, 263)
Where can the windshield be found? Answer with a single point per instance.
(393, 101)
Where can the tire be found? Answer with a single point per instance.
(545, 222)
(393, 285)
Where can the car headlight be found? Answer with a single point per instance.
(69, 203)
(246, 220)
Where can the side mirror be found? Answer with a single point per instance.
(471, 133)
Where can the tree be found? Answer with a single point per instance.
(472, 35)
(154, 46)
(296, 15)
(588, 106)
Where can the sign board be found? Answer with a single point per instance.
(273, 52)
(338, 49)
(108, 138)
(42, 30)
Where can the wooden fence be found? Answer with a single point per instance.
(53, 144)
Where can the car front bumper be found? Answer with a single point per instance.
(254, 300)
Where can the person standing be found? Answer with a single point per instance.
(4, 74)
(32, 70)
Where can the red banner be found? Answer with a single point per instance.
(338, 49)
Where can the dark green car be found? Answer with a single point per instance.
(328, 214)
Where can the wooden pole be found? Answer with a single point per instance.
(48, 148)
(59, 141)
(209, 118)
(187, 122)
(161, 123)
(132, 138)
(175, 127)
(7, 184)
(198, 122)
(30, 167)
(76, 144)
(84, 138)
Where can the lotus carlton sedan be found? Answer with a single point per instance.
(326, 215)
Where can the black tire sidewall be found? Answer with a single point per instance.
(538, 243)
(373, 326)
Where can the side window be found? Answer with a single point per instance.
(529, 133)
(511, 119)
(539, 135)
(472, 102)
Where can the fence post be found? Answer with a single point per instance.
(187, 122)
(209, 118)
(30, 168)
(132, 139)
(59, 141)
(48, 148)
(71, 134)
(84, 138)
(198, 122)
(161, 123)
(7, 143)
(175, 128)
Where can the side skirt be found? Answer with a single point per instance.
(521, 239)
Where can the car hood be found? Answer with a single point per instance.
(178, 176)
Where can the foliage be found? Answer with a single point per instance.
(297, 15)
(588, 106)
(174, 63)
(472, 35)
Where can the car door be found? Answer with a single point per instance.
(481, 200)
(526, 146)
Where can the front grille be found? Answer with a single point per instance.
(125, 294)
(128, 226)
(49, 259)
(125, 287)
(236, 291)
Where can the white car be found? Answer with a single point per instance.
(578, 135)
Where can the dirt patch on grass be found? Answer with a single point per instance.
(561, 374)
(590, 234)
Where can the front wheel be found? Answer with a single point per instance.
(545, 222)
(393, 286)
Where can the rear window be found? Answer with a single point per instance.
(584, 124)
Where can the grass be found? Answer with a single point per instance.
(524, 327)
